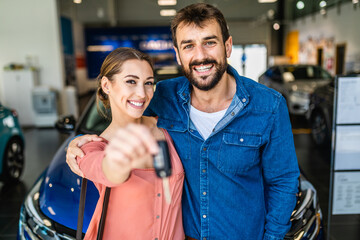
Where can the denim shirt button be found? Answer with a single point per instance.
(232, 113)
(191, 130)
(204, 171)
(204, 149)
(204, 216)
(171, 126)
(243, 100)
(241, 139)
(204, 193)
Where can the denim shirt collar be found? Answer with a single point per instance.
(239, 101)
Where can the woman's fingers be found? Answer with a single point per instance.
(134, 143)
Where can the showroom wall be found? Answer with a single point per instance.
(30, 32)
(243, 31)
(340, 25)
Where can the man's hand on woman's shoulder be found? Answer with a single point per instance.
(74, 151)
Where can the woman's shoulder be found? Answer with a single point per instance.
(151, 122)
(94, 146)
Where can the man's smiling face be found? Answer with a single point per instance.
(202, 53)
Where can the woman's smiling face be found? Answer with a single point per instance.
(131, 90)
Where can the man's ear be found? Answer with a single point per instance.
(105, 84)
(177, 55)
(228, 47)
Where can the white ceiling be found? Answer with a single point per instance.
(147, 12)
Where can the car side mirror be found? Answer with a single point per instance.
(66, 124)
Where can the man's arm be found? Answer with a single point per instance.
(281, 173)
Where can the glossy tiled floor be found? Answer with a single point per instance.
(41, 144)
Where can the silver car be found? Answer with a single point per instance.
(296, 83)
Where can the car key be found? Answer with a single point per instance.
(162, 165)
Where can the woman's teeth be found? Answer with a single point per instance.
(138, 104)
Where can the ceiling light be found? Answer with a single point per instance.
(270, 14)
(166, 2)
(276, 26)
(267, 1)
(167, 12)
(300, 5)
(77, 1)
(355, 1)
(322, 4)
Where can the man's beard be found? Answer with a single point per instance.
(220, 70)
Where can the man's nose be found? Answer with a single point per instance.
(200, 53)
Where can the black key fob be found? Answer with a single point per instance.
(162, 162)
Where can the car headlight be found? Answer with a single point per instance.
(33, 223)
(299, 94)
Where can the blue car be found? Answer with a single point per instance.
(11, 146)
(50, 210)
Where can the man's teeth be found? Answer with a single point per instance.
(203, 68)
(138, 104)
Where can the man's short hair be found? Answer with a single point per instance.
(197, 14)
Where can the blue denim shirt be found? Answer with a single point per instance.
(241, 182)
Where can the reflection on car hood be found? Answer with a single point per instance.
(60, 193)
(306, 85)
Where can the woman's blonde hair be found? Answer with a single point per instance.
(111, 66)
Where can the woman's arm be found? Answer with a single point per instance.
(130, 147)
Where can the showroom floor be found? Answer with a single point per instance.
(41, 144)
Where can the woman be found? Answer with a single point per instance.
(137, 208)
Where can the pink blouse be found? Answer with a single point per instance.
(137, 208)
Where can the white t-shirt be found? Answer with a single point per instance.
(205, 122)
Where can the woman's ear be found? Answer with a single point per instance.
(105, 84)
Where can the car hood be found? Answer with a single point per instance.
(305, 85)
(60, 193)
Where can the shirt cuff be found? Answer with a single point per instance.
(268, 236)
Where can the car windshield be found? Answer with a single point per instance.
(305, 73)
(93, 122)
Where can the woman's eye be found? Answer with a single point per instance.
(131, 81)
(149, 83)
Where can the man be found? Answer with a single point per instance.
(232, 134)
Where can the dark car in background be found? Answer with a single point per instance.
(320, 114)
(296, 83)
(11, 145)
(50, 209)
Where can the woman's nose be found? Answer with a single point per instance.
(140, 91)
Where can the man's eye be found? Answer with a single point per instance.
(188, 46)
(210, 43)
(131, 81)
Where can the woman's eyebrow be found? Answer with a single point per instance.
(134, 76)
(131, 76)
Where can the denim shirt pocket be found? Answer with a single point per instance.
(239, 152)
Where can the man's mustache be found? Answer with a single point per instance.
(202, 62)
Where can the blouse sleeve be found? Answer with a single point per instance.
(91, 163)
